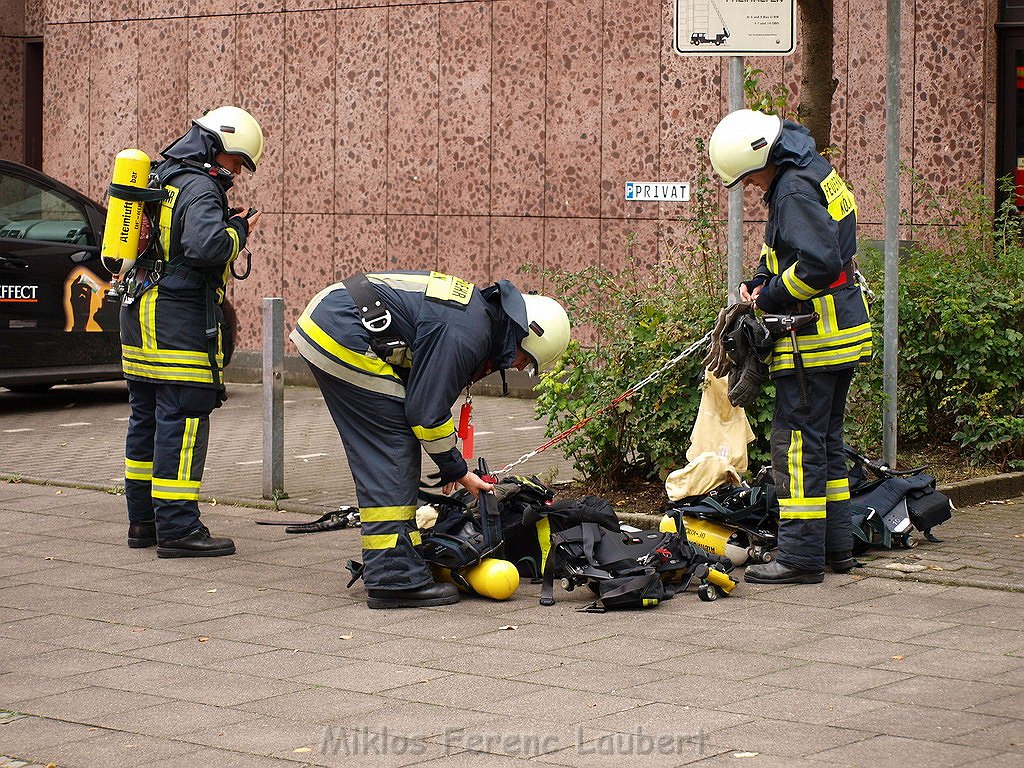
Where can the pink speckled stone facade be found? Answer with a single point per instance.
(472, 137)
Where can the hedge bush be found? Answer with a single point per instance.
(961, 375)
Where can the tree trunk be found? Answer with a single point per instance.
(817, 83)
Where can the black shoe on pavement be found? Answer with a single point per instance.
(842, 562)
(432, 594)
(142, 534)
(777, 573)
(199, 543)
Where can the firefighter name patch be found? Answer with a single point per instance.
(448, 289)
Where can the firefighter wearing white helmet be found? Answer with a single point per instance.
(173, 340)
(238, 133)
(391, 352)
(548, 335)
(806, 270)
(741, 144)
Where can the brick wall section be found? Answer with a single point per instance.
(475, 136)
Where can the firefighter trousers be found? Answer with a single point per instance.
(384, 457)
(810, 471)
(165, 453)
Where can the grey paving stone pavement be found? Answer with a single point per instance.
(112, 657)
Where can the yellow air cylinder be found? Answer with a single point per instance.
(491, 577)
(714, 538)
(124, 217)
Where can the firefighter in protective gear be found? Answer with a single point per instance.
(806, 266)
(390, 382)
(172, 332)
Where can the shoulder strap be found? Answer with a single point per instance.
(374, 315)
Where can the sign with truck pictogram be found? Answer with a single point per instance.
(735, 27)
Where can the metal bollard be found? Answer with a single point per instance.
(273, 398)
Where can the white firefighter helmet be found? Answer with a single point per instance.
(548, 326)
(237, 131)
(742, 142)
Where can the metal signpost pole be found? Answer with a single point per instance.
(273, 398)
(735, 237)
(892, 210)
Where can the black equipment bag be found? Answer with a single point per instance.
(530, 516)
(625, 570)
(886, 503)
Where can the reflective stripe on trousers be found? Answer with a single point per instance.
(810, 468)
(165, 454)
(384, 457)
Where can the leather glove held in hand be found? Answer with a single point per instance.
(717, 359)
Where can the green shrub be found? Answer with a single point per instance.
(961, 328)
(961, 332)
(627, 325)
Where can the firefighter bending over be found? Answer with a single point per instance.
(391, 353)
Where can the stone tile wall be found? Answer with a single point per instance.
(475, 136)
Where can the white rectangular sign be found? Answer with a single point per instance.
(735, 27)
(658, 191)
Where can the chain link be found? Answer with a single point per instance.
(625, 395)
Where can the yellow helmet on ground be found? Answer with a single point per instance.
(742, 142)
(548, 326)
(238, 133)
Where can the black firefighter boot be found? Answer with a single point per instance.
(431, 594)
(777, 573)
(198, 543)
(141, 534)
(842, 562)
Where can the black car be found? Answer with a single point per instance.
(57, 324)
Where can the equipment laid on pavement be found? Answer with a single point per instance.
(888, 504)
(735, 521)
(343, 517)
(631, 569)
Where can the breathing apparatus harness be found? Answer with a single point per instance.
(152, 263)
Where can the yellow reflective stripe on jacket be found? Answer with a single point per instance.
(797, 288)
(828, 320)
(312, 354)
(235, 247)
(166, 373)
(795, 459)
(166, 488)
(147, 317)
(844, 355)
(138, 470)
(378, 541)
(837, 490)
(797, 508)
(437, 439)
(416, 538)
(371, 365)
(168, 356)
(386, 514)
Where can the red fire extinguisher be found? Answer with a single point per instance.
(465, 428)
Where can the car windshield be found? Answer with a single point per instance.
(29, 211)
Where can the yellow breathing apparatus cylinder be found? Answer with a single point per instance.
(491, 577)
(124, 217)
(711, 537)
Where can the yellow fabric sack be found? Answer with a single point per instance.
(720, 428)
(704, 473)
